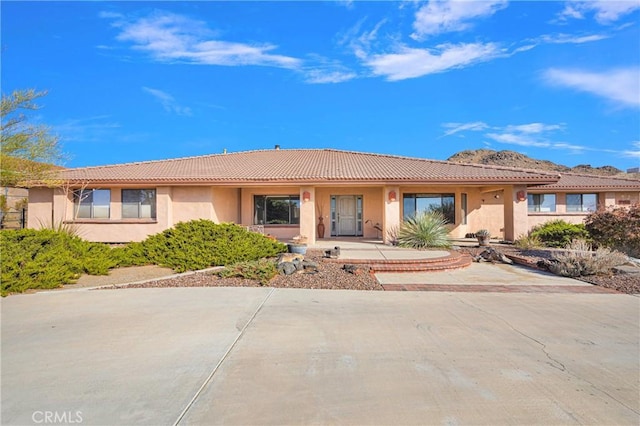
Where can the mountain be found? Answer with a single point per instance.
(515, 159)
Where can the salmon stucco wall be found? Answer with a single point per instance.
(40, 208)
(226, 204)
(190, 203)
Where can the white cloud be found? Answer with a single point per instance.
(169, 37)
(91, 129)
(529, 135)
(571, 39)
(438, 17)
(518, 139)
(619, 85)
(604, 11)
(410, 62)
(533, 128)
(635, 153)
(320, 76)
(454, 128)
(167, 101)
(537, 135)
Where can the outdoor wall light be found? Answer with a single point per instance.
(392, 196)
(306, 196)
(521, 195)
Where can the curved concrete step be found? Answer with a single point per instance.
(453, 260)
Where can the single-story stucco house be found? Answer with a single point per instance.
(289, 191)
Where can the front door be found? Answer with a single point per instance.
(346, 211)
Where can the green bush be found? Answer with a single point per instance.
(262, 270)
(423, 231)
(200, 244)
(44, 259)
(558, 233)
(49, 258)
(616, 228)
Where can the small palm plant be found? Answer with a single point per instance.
(424, 230)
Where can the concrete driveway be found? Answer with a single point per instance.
(264, 356)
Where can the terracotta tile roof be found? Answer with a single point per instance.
(303, 166)
(574, 182)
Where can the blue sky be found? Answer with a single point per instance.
(136, 81)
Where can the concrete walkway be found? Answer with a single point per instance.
(261, 356)
(485, 277)
(376, 250)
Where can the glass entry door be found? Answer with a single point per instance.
(346, 215)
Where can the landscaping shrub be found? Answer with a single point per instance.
(423, 231)
(46, 258)
(579, 259)
(262, 270)
(528, 242)
(558, 233)
(617, 228)
(199, 244)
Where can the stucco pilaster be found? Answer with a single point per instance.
(164, 207)
(391, 219)
(515, 212)
(308, 213)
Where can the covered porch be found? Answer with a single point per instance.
(376, 212)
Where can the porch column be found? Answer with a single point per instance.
(391, 212)
(516, 220)
(308, 213)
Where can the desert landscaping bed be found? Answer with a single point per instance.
(329, 276)
(332, 276)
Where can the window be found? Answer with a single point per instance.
(138, 203)
(582, 202)
(276, 210)
(545, 203)
(463, 201)
(417, 203)
(92, 203)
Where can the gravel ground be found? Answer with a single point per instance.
(329, 276)
(625, 283)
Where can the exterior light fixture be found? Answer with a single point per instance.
(306, 196)
(521, 195)
(392, 196)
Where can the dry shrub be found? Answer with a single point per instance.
(579, 259)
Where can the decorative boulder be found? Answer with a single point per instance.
(492, 255)
(356, 269)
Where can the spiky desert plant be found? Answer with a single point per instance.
(424, 230)
(528, 242)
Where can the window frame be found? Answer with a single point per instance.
(581, 207)
(416, 196)
(259, 209)
(140, 203)
(533, 207)
(87, 198)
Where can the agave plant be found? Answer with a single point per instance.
(424, 230)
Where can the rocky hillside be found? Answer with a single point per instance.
(515, 159)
